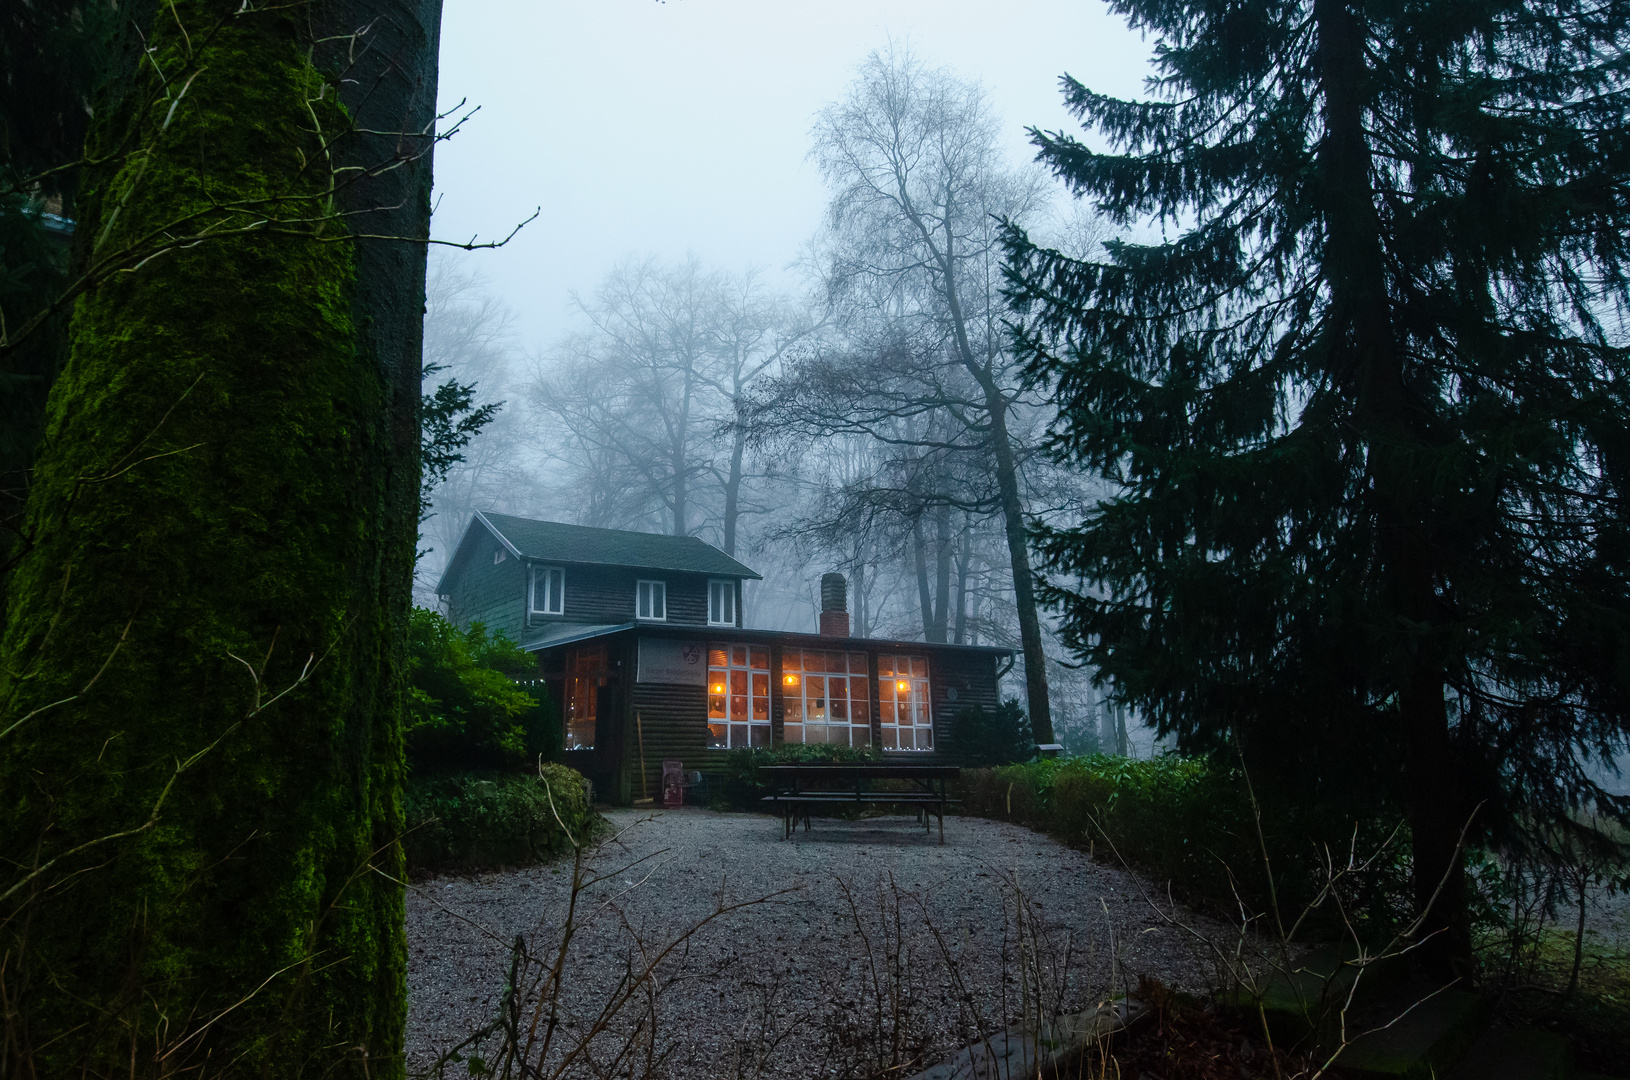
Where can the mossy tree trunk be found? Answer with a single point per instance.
(224, 509)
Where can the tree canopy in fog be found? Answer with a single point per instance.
(643, 402)
(910, 267)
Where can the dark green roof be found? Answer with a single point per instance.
(552, 541)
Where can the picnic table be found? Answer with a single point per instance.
(796, 788)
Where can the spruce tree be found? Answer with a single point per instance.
(1359, 372)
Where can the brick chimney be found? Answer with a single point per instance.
(834, 606)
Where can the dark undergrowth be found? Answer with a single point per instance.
(1595, 1013)
(1183, 1038)
(483, 821)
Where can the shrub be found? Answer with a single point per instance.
(1189, 822)
(742, 788)
(475, 821)
(997, 737)
(465, 710)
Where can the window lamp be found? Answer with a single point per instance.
(902, 684)
(738, 695)
(825, 698)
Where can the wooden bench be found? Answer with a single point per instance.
(797, 788)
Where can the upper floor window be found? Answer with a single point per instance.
(548, 590)
(651, 600)
(721, 603)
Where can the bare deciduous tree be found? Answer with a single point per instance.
(912, 269)
(642, 404)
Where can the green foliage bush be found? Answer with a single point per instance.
(1189, 822)
(743, 787)
(478, 821)
(1000, 736)
(464, 709)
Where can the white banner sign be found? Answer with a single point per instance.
(664, 660)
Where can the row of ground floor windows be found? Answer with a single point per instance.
(826, 698)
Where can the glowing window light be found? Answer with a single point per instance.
(718, 688)
(903, 686)
(790, 680)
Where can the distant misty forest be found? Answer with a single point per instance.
(843, 425)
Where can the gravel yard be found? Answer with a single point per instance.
(785, 988)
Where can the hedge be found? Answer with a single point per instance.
(1189, 823)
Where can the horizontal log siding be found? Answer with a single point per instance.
(674, 719)
(493, 594)
(975, 682)
(605, 594)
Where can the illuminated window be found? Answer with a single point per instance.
(902, 698)
(738, 695)
(585, 674)
(826, 698)
(651, 600)
(548, 590)
(721, 603)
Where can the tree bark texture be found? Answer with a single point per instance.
(964, 567)
(925, 596)
(224, 511)
(1024, 582)
(732, 492)
(942, 573)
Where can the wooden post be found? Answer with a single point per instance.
(639, 726)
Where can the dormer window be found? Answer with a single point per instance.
(651, 600)
(548, 590)
(721, 602)
(498, 556)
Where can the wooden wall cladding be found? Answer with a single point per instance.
(674, 724)
(605, 594)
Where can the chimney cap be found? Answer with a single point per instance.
(834, 592)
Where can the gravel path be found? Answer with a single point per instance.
(785, 988)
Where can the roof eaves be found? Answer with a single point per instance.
(502, 539)
(592, 630)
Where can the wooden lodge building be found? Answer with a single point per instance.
(642, 641)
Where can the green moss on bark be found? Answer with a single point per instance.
(212, 492)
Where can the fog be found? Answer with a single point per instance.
(683, 127)
(685, 339)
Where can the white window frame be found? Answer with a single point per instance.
(648, 588)
(726, 588)
(532, 594)
(797, 704)
(727, 731)
(918, 692)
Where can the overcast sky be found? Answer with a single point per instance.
(666, 128)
